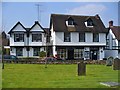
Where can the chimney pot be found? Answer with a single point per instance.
(110, 23)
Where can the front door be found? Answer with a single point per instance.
(94, 55)
(70, 54)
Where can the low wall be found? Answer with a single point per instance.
(39, 61)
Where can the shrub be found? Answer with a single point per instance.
(42, 54)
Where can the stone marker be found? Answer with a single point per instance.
(109, 61)
(81, 69)
(110, 84)
(116, 64)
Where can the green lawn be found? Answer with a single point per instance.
(56, 76)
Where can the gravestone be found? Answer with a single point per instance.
(116, 64)
(81, 69)
(110, 84)
(109, 61)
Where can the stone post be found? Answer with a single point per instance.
(116, 64)
(81, 69)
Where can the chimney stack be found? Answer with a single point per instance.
(97, 16)
(110, 23)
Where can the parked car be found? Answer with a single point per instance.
(8, 57)
(50, 59)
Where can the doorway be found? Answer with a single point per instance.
(94, 55)
(70, 54)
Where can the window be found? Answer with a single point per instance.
(107, 43)
(95, 37)
(19, 51)
(70, 22)
(81, 37)
(78, 53)
(36, 51)
(89, 22)
(36, 37)
(19, 37)
(67, 37)
(62, 53)
(118, 44)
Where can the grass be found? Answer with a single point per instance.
(56, 76)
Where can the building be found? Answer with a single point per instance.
(78, 37)
(69, 37)
(113, 41)
(27, 42)
(4, 41)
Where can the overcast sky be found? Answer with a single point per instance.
(26, 12)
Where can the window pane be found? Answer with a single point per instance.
(82, 37)
(36, 37)
(19, 37)
(78, 53)
(66, 37)
(19, 51)
(61, 53)
(70, 22)
(36, 51)
(95, 37)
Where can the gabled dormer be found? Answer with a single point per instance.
(17, 28)
(36, 27)
(89, 22)
(36, 32)
(70, 21)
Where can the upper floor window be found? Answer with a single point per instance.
(118, 44)
(70, 21)
(95, 37)
(36, 37)
(67, 37)
(89, 23)
(81, 37)
(19, 37)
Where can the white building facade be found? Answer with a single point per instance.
(71, 37)
(27, 42)
(113, 41)
(78, 37)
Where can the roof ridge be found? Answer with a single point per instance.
(72, 15)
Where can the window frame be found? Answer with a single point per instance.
(19, 36)
(78, 53)
(19, 52)
(94, 37)
(67, 37)
(62, 53)
(36, 53)
(36, 37)
(83, 37)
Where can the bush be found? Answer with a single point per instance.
(42, 54)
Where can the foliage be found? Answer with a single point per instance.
(56, 76)
(42, 54)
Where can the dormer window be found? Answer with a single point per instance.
(70, 22)
(89, 23)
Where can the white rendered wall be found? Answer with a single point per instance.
(59, 39)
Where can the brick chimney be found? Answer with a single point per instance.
(110, 23)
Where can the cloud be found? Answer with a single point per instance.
(89, 9)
